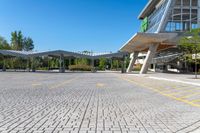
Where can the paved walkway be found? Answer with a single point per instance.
(91, 103)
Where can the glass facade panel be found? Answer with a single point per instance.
(183, 16)
(155, 18)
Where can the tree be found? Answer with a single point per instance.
(17, 40)
(102, 63)
(115, 64)
(81, 61)
(189, 43)
(4, 44)
(28, 44)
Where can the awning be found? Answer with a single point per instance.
(141, 41)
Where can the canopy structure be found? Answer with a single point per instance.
(58, 53)
(149, 43)
(15, 53)
(61, 54)
(140, 42)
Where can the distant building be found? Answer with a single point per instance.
(162, 23)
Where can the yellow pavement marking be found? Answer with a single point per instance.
(36, 84)
(188, 96)
(195, 101)
(160, 92)
(62, 83)
(184, 91)
(100, 85)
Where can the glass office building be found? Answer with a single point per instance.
(163, 21)
(182, 15)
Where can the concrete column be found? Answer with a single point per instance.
(92, 62)
(62, 64)
(4, 64)
(123, 70)
(111, 63)
(28, 64)
(150, 54)
(133, 58)
(33, 65)
(92, 65)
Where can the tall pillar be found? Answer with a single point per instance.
(123, 70)
(150, 54)
(133, 58)
(33, 67)
(4, 64)
(62, 64)
(28, 64)
(92, 65)
(111, 63)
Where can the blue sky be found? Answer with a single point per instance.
(74, 25)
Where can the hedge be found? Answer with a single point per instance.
(80, 68)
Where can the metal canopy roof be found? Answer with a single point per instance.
(58, 53)
(141, 41)
(25, 54)
(15, 53)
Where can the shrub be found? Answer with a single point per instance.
(80, 67)
(137, 67)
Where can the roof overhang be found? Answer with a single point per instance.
(148, 8)
(141, 41)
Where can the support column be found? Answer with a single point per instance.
(150, 54)
(62, 64)
(92, 65)
(123, 70)
(133, 58)
(4, 64)
(33, 67)
(111, 64)
(28, 64)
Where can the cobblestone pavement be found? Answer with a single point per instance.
(90, 103)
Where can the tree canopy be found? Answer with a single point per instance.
(18, 42)
(4, 44)
(190, 42)
(28, 44)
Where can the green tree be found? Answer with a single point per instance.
(17, 40)
(189, 43)
(115, 64)
(81, 61)
(4, 44)
(102, 63)
(28, 44)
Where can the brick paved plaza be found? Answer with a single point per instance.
(99, 102)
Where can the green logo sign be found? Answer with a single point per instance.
(144, 25)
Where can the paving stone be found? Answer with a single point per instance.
(74, 103)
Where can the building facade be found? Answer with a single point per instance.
(162, 23)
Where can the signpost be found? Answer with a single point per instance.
(197, 56)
